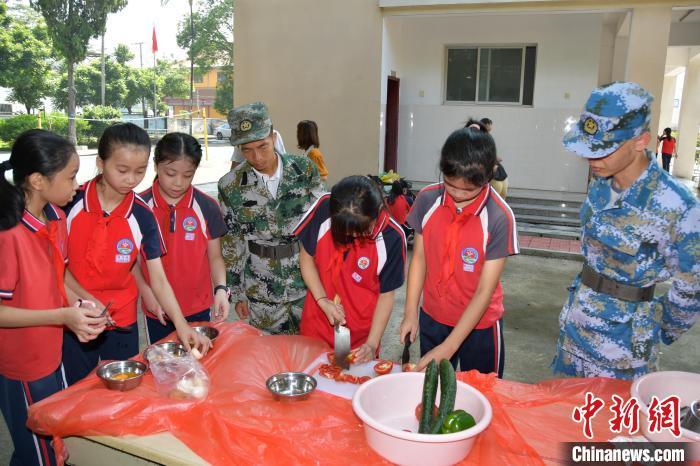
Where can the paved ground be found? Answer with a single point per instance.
(534, 287)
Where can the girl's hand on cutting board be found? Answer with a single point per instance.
(365, 353)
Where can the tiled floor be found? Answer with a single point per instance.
(553, 244)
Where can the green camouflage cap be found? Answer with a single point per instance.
(250, 122)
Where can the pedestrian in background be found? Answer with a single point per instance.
(307, 139)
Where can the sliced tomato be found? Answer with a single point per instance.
(408, 367)
(329, 371)
(419, 411)
(364, 378)
(331, 358)
(383, 367)
(352, 357)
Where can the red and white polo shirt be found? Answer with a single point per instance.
(456, 244)
(357, 273)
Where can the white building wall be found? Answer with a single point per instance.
(528, 138)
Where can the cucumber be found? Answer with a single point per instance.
(448, 393)
(430, 383)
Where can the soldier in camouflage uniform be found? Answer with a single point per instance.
(639, 227)
(262, 200)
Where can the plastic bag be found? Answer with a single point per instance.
(178, 377)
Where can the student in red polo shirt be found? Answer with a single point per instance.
(33, 298)
(352, 248)
(108, 227)
(463, 233)
(192, 224)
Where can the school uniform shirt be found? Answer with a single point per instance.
(456, 246)
(357, 273)
(31, 277)
(104, 246)
(187, 227)
(399, 209)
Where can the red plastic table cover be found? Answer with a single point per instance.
(240, 423)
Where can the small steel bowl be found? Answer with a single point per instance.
(207, 331)
(110, 371)
(291, 386)
(171, 347)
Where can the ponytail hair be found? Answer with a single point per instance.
(470, 154)
(34, 151)
(176, 146)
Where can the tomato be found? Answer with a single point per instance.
(364, 379)
(408, 367)
(383, 367)
(352, 357)
(349, 378)
(419, 411)
(329, 371)
(331, 358)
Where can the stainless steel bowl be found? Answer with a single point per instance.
(171, 347)
(109, 371)
(291, 386)
(207, 331)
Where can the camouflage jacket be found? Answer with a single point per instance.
(649, 234)
(251, 213)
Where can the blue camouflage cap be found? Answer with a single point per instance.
(250, 122)
(614, 113)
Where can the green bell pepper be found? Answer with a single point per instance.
(457, 421)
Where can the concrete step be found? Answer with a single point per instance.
(548, 210)
(528, 251)
(550, 231)
(543, 202)
(546, 219)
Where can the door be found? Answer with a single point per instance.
(391, 141)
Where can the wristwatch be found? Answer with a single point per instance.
(223, 287)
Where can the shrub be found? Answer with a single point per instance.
(96, 128)
(12, 127)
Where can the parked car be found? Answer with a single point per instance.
(223, 131)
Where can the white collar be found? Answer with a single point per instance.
(275, 176)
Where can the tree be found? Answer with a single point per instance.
(71, 24)
(88, 84)
(123, 55)
(209, 39)
(224, 92)
(25, 57)
(213, 34)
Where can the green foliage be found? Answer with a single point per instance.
(25, 57)
(213, 34)
(88, 84)
(224, 92)
(58, 123)
(10, 128)
(96, 128)
(71, 24)
(122, 54)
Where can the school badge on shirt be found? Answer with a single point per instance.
(469, 257)
(124, 250)
(189, 224)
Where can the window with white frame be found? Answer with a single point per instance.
(483, 74)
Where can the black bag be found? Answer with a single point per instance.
(500, 173)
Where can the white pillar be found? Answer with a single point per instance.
(667, 102)
(689, 118)
(646, 55)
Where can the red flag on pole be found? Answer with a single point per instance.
(154, 45)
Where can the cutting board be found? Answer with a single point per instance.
(343, 389)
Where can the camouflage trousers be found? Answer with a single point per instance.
(568, 364)
(276, 318)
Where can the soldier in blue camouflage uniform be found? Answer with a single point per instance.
(262, 200)
(639, 227)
